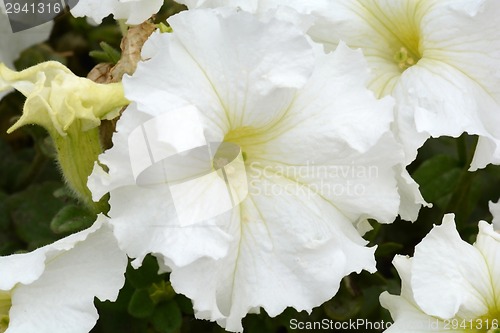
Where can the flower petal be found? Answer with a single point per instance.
(229, 76)
(462, 105)
(58, 294)
(407, 316)
(296, 257)
(442, 282)
(133, 11)
(55, 97)
(488, 243)
(155, 229)
(328, 144)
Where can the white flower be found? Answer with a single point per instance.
(310, 14)
(438, 58)
(313, 156)
(11, 44)
(449, 285)
(52, 289)
(133, 11)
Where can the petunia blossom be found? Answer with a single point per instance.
(56, 98)
(52, 289)
(132, 11)
(260, 156)
(70, 108)
(437, 58)
(448, 285)
(311, 19)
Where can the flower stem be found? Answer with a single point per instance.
(76, 153)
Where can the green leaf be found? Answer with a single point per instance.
(438, 178)
(164, 28)
(31, 212)
(71, 219)
(161, 291)
(8, 241)
(108, 54)
(387, 249)
(141, 305)
(37, 54)
(167, 317)
(13, 166)
(146, 275)
(4, 216)
(345, 305)
(184, 304)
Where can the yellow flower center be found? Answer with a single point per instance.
(5, 305)
(399, 28)
(244, 137)
(404, 58)
(394, 38)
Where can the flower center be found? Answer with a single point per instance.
(5, 305)
(405, 59)
(399, 26)
(245, 137)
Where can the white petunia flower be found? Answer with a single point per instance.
(438, 58)
(310, 18)
(133, 11)
(11, 44)
(449, 285)
(244, 162)
(52, 289)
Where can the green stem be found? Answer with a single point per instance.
(123, 27)
(77, 151)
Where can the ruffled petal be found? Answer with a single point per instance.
(442, 282)
(287, 250)
(407, 316)
(53, 288)
(56, 98)
(488, 243)
(133, 11)
(234, 76)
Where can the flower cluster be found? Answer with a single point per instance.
(257, 143)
